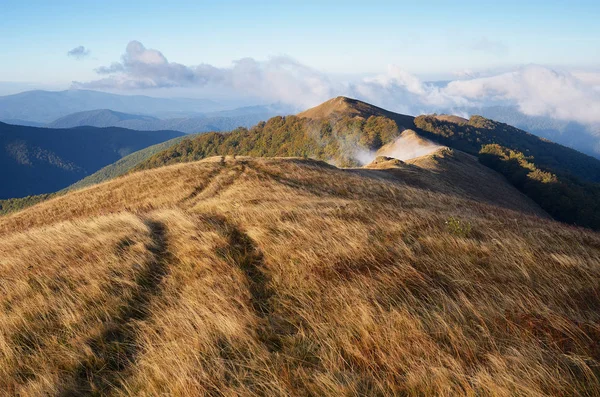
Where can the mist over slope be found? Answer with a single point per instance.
(408, 145)
(290, 276)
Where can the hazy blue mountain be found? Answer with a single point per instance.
(23, 122)
(214, 121)
(47, 106)
(41, 160)
(101, 118)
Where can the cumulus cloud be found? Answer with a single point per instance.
(591, 78)
(278, 79)
(79, 52)
(536, 90)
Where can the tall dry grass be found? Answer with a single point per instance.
(290, 277)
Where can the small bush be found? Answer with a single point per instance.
(457, 227)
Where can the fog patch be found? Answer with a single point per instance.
(408, 146)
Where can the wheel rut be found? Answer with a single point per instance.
(243, 253)
(115, 349)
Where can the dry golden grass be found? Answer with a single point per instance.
(291, 277)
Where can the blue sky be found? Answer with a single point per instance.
(432, 39)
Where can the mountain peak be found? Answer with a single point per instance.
(342, 106)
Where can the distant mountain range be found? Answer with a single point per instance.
(77, 108)
(40, 160)
(216, 121)
(46, 106)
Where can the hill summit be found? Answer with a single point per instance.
(342, 106)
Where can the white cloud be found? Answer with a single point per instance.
(278, 79)
(589, 78)
(536, 90)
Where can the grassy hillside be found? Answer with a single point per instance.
(293, 277)
(17, 204)
(470, 136)
(41, 160)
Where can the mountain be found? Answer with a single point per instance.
(124, 165)
(342, 131)
(212, 121)
(343, 107)
(22, 122)
(47, 106)
(289, 276)
(99, 118)
(362, 127)
(348, 132)
(41, 160)
(143, 123)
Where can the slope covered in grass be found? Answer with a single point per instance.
(293, 277)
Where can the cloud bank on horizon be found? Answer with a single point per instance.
(535, 90)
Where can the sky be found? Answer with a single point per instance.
(429, 38)
(539, 55)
